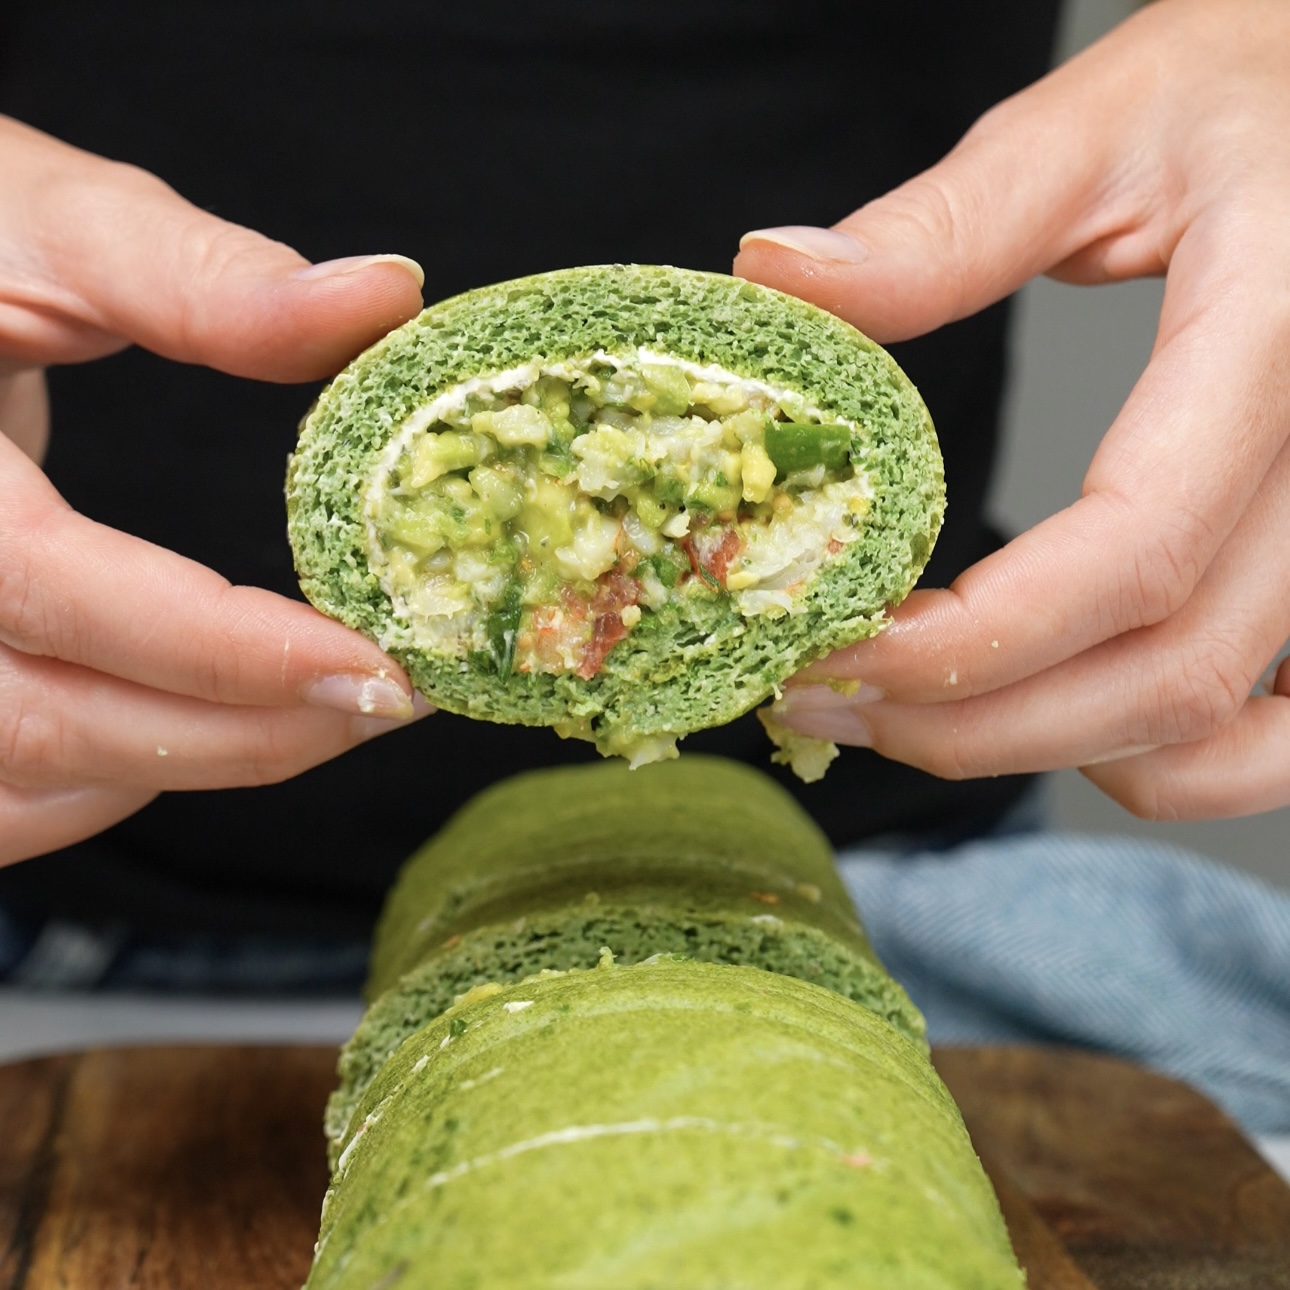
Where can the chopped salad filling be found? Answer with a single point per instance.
(531, 520)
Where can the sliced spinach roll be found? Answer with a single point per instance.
(623, 501)
(684, 1125)
(549, 870)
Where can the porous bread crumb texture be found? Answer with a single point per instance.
(697, 663)
(573, 938)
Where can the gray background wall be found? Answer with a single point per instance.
(1077, 353)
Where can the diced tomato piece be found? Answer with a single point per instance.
(696, 565)
(553, 634)
(608, 631)
(711, 552)
(615, 591)
(719, 559)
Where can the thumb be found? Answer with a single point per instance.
(1017, 196)
(95, 255)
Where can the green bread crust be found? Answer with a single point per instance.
(669, 1126)
(697, 662)
(701, 857)
(714, 823)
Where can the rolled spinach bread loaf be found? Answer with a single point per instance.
(624, 501)
(700, 857)
(626, 1031)
(668, 1126)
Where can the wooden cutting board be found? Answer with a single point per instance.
(203, 1169)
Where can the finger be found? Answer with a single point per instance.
(1173, 475)
(1040, 177)
(100, 254)
(1182, 680)
(1243, 769)
(24, 410)
(34, 822)
(63, 725)
(76, 590)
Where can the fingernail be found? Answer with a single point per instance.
(817, 243)
(357, 263)
(364, 728)
(370, 696)
(826, 713)
(829, 695)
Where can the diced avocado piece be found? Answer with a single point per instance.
(505, 554)
(719, 399)
(795, 446)
(593, 549)
(465, 518)
(436, 454)
(541, 583)
(746, 427)
(717, 493)
(515, 426)
(499, 490)
(553, 396)
(669, 387)
(419, 531)
(547, 516)
(757, 471)
(652, 513)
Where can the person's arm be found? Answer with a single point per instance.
(1125, 634)
(126, 669)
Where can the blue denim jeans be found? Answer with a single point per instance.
(60, 955)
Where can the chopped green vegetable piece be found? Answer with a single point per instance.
(794, 446)
(707, 575)
(669, 489)
(502, 626)
(665, 570)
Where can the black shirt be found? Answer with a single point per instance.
(487, 140)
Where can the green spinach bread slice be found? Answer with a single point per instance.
(625, 501)
(684, 1125)
(702, 857)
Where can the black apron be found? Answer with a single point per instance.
(487, 140)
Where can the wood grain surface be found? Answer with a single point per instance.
(202, 1169)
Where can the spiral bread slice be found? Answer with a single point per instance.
(624, 501)
(701, 857)
(668, 1126)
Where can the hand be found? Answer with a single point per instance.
(126, 669)
(1125, 634)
